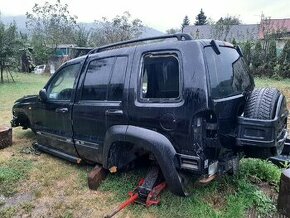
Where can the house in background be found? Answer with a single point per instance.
(65, 52)
(279, 29)
(240, 33)
(276, 28)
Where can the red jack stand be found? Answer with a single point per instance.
(147, 193)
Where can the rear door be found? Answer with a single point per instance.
(157, 102)
(100, 104)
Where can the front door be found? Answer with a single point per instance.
(53, 117)
(101, 103)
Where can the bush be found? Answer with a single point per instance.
(260, 169)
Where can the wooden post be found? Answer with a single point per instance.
(5, 137)
(284, 193)
(96, 176)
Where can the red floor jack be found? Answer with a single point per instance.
(147, 193)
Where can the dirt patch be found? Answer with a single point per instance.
(16, 200)
(269, 190)
(5, 156)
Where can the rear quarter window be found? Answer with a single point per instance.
(228, 73)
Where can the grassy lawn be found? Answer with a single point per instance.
(44, 186)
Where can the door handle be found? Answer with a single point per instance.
(114, 112)
(61, 110)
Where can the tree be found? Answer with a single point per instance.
(223, 25)
(81, 36)
(201, 19)
(234, 42)
(272, 52)
(50, 25)
(247, 52)
(118, 29)
(185, 22)
(285, 56)
(9, 46)
(258, 55)
(229, 20)
(172, 31)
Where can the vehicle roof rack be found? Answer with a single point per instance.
(178, 36)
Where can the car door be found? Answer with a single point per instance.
(157, 102)
(100, 105)
(52, 118)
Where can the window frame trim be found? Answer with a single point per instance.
(176, 54)
(46, 87)
(107, 88)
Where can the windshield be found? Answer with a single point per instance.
(229, 74)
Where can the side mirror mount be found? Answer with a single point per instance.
(42, 95)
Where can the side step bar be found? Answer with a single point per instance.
(58, 153)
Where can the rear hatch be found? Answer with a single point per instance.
(229, 82)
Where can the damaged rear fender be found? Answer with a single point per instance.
(151, 141)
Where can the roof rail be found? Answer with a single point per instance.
(178, 36)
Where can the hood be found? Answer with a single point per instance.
(27, 99)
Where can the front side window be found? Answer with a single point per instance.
(61, 86)
(160, 77)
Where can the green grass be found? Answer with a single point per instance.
(11, 174)
(226, 197)
(25, 84)
(260, 169)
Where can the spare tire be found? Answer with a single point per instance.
(261, 104)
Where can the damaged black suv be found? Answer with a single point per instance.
(188, 104)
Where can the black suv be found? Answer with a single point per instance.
(188, 104)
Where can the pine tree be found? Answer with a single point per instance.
(234, 42)
(272, 53)
(185, 22)
(257, 58)
(247, 52)
(285, 56)
(200, 19)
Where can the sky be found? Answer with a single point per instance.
(161, 14)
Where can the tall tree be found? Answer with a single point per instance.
(118, 29)
(9, 46)
(81, 36)
(258, 55)
(223, 26)
(172, 31)
(229, 20)
(247, 52)
(272, 52)
(185, 22)
(200, 19)
(50, 25)
(285, 55)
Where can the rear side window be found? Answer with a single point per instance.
(160, 77)
(104, 79)
(228, 73)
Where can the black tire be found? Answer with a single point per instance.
(261, 104)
